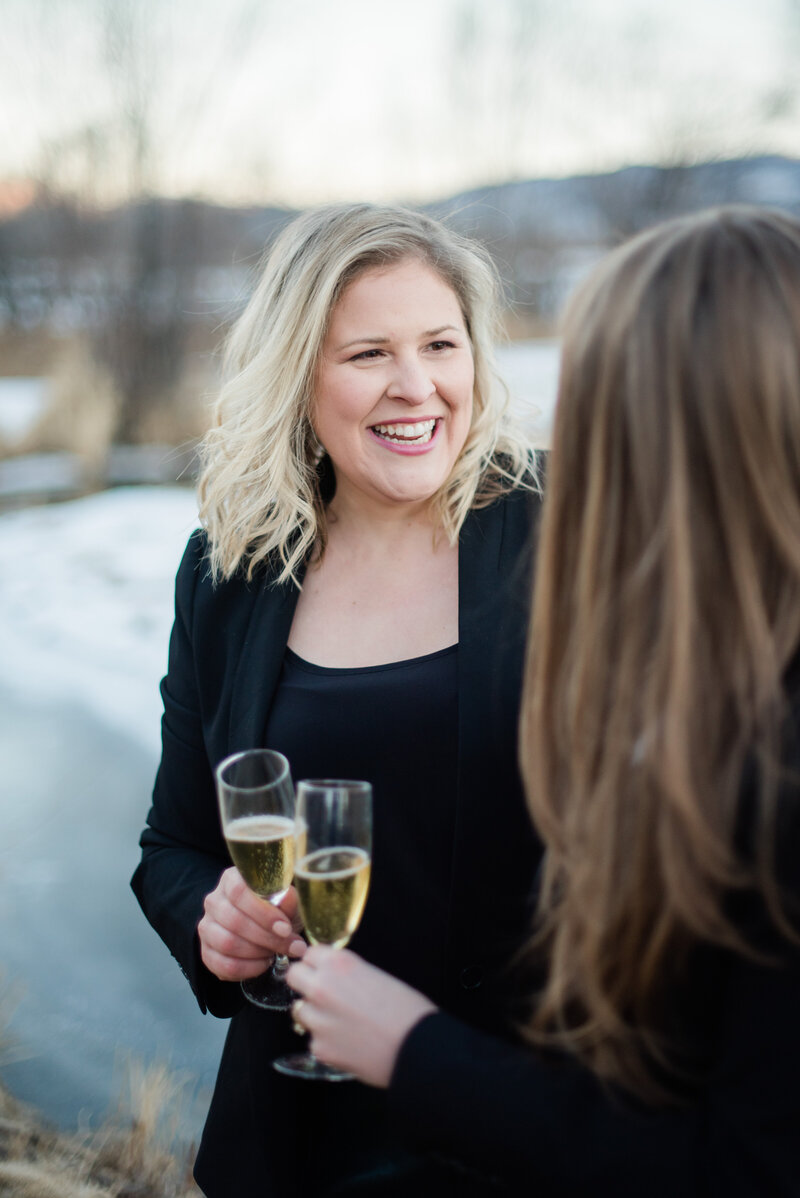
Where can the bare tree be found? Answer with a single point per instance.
(497, 69)
(110, 243)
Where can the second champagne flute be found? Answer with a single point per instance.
(334, 854)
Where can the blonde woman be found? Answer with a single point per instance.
(366, 509)
(660, 740)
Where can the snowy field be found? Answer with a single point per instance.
(85, 613)
(86, 601)
(22, 402)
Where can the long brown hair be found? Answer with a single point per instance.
(666, 610)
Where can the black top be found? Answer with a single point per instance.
(395, 726)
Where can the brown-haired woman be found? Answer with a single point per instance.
(661, 755)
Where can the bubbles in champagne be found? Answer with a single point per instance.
(262, 849)
(332, 886)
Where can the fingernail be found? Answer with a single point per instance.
(282, 928)
(297, 948)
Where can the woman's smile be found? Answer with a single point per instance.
(406, 436)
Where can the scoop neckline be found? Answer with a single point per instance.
(311, 667)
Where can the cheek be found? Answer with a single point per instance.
(343, 404)
(466, 392)
(336, 419)
(464, 386)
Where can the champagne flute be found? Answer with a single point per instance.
(256, 804)
(334, 852)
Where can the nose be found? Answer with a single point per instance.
(411, 381)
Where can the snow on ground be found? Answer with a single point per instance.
(22, 402)
(86, 600)
(530, 370)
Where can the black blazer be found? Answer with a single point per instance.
(226, 651)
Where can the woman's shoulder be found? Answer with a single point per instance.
(196, 549)
(518, 504)
(197, 585)
(192, 565)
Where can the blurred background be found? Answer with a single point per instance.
(149, 150)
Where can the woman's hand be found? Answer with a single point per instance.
(240, 933)
(358, 1016)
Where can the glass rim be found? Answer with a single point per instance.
(350, 784)
(232, 758)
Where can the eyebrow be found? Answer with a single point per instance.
(383, 340)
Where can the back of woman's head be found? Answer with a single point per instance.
(259, 487)
(666, 612)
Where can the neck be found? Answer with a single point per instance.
(365, 520)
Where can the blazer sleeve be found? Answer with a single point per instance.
(512, 1115)
(183, 853)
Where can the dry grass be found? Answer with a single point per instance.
(129, 1157)
(133, 1155)
(32, 352)
(84, 407)
(83, 411)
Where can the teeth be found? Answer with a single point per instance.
(406, 434)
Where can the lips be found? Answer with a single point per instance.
(406, 432)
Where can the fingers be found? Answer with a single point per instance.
(307, 976)
(233, 969)
(356, 1015)
(290, 906)
(256, 919)
(233, 891)
(226, 951)
(240, 933)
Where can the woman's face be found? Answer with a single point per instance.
(394, 387)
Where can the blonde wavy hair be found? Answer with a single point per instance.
(666, 611)
(262, 494)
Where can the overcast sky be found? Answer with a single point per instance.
(299, 101)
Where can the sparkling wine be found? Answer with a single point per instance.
(262, 849)
(332, 886)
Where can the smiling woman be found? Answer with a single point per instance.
(367, 510)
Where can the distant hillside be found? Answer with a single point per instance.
(60, 261)
(544, 233)
(601, 208)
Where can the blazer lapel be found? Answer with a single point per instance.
(493, 852)
(478, 583)
(260, 662)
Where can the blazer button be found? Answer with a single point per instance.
(471, 977)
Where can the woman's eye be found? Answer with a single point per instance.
(440, 345)
(366, 355)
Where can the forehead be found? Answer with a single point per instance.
(409, 284)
